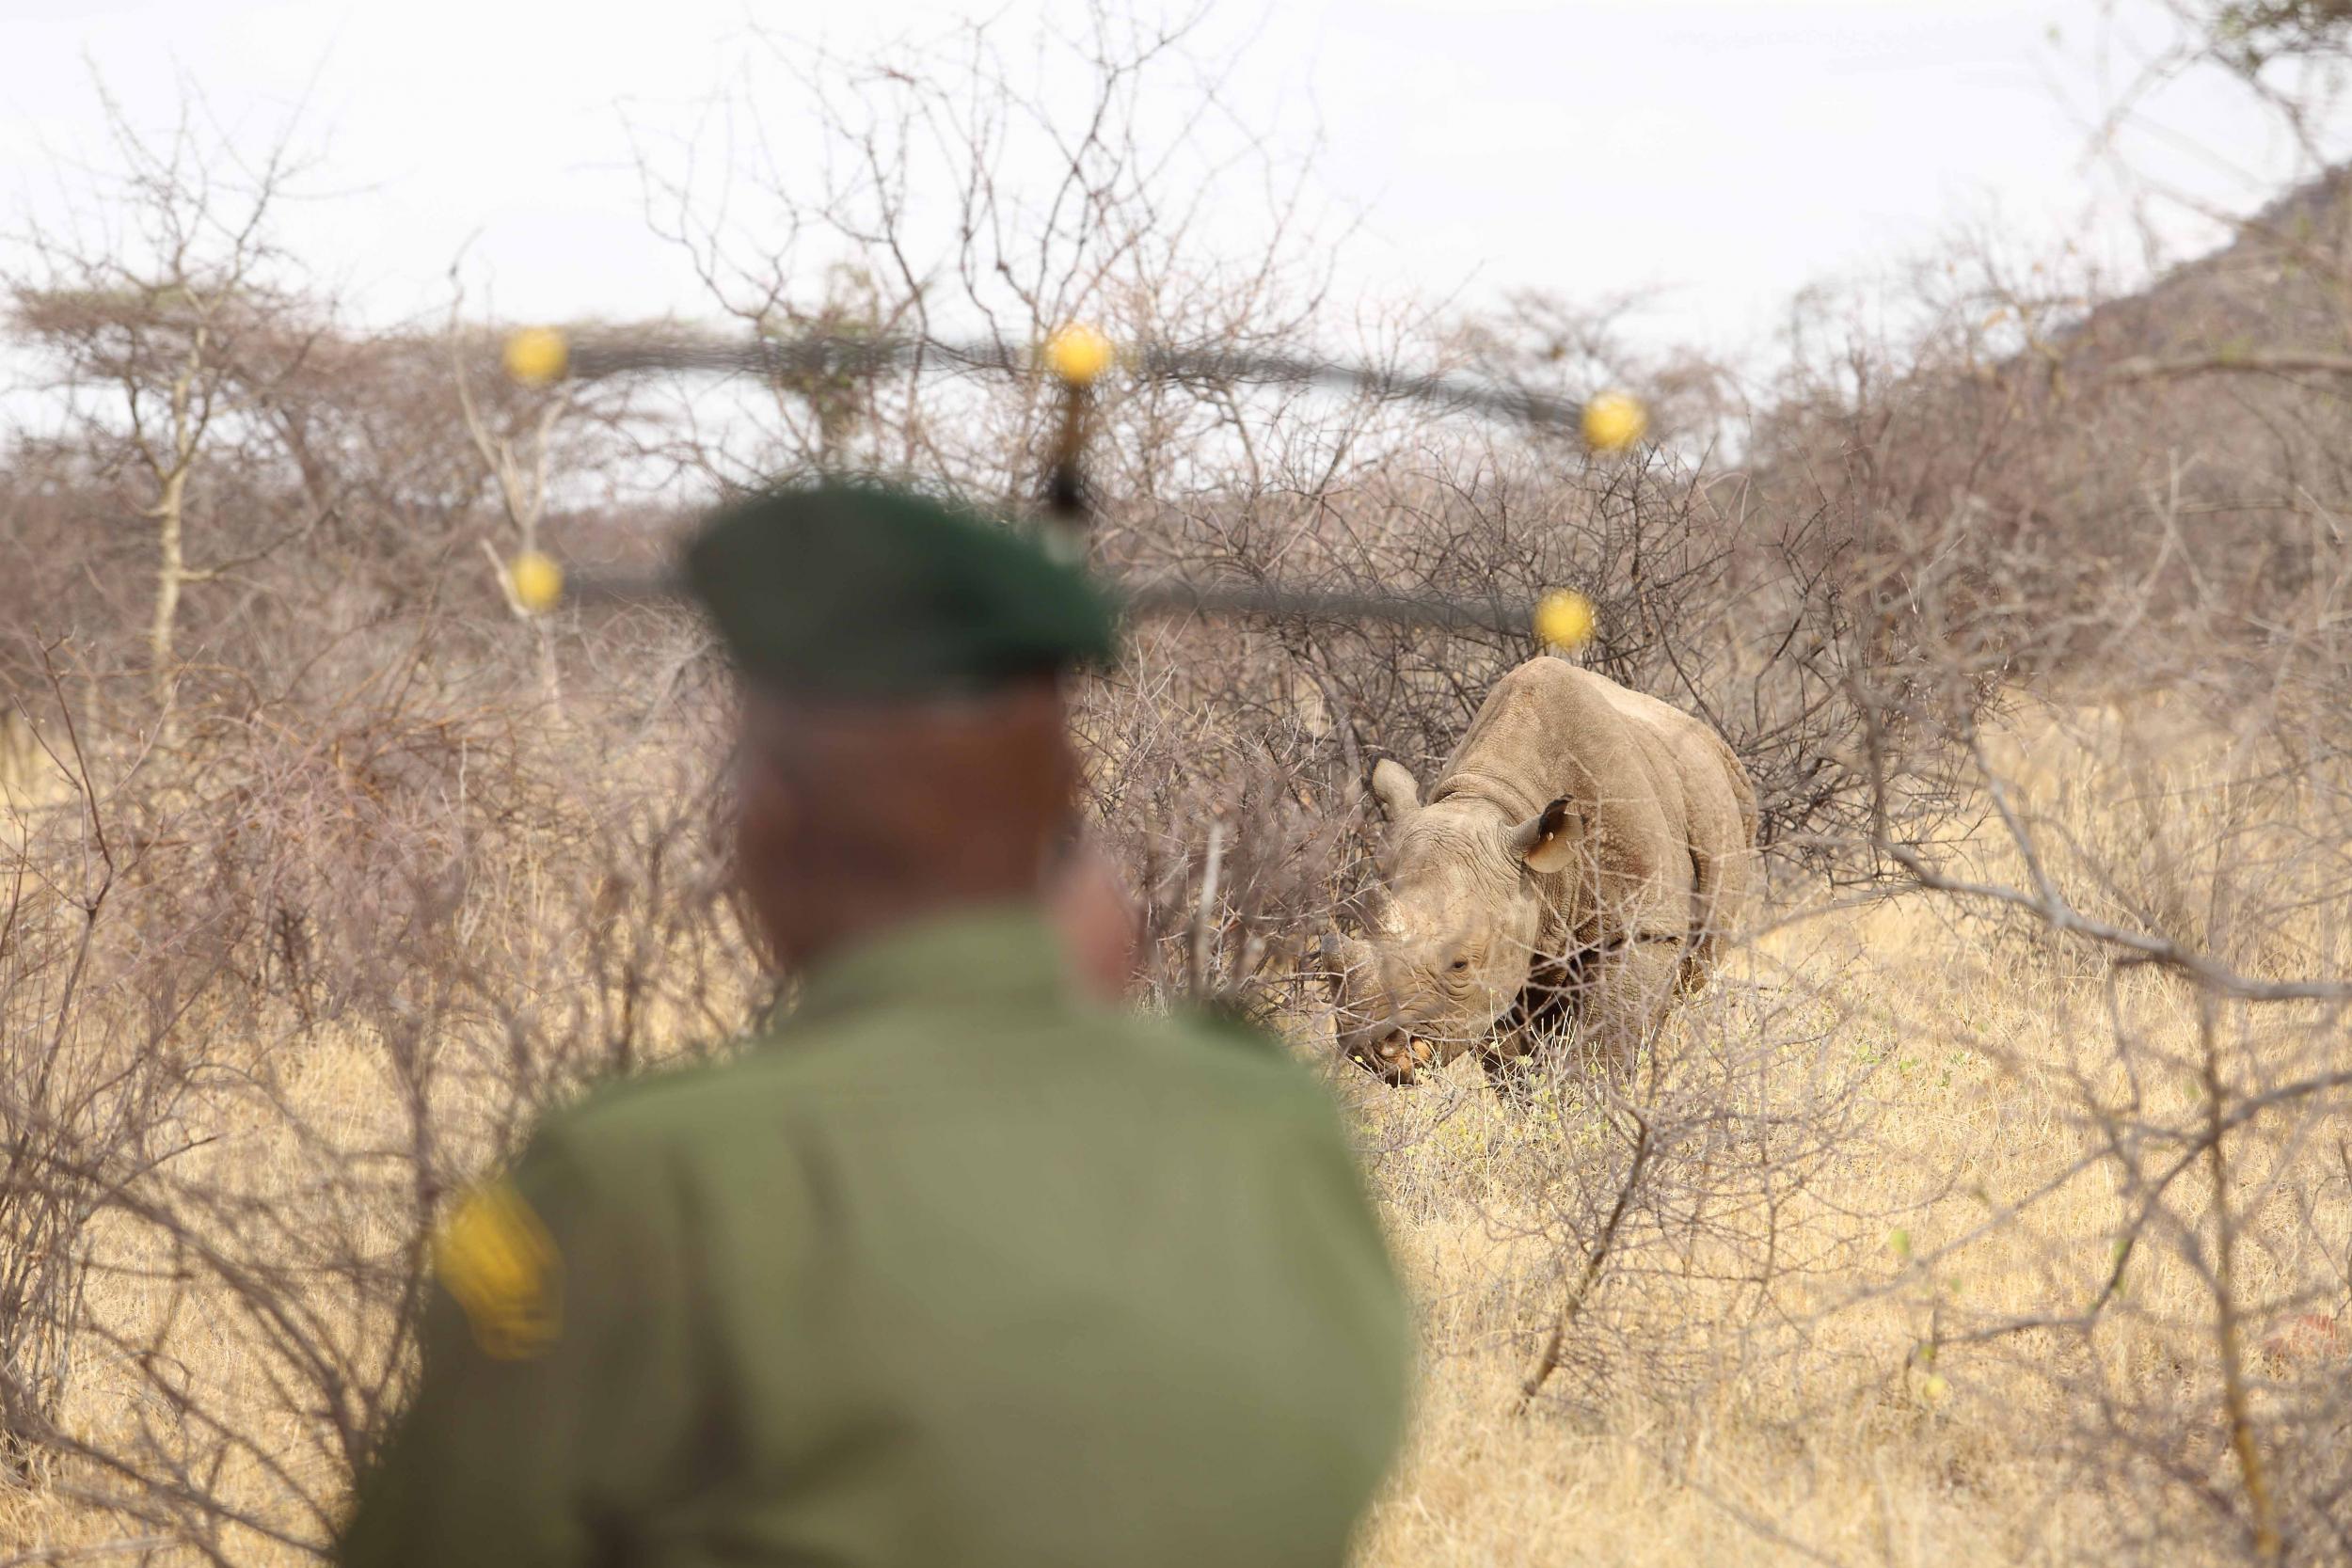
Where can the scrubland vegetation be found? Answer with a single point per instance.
(1996, 1206)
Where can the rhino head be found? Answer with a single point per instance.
(1457, 931)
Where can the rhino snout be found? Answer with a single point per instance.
(1392, 1056)
(1372, 1033)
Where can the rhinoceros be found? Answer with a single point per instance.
(1575, 868)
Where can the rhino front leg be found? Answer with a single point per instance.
(1627, 990)
(1510, 1061)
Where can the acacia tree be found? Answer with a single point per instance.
(979, 185)
(166, 333)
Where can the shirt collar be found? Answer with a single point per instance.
(994, 952)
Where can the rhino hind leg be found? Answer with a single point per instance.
(1723, 870)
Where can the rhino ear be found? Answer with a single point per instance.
(1546, 841)
(1394, 788)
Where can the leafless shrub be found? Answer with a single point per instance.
(230, 1123)
(2180, 856)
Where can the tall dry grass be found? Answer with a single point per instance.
(1841, 1322)
(1981, 1347)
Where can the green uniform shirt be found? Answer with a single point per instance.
(954, 1269)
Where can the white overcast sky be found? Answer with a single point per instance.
(1724, 154)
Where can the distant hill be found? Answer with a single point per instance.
(2282, 287)
(2189, 444)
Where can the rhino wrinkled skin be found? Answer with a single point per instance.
(1574, 869)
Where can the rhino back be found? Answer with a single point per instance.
(1550, 729)
(1717, 813)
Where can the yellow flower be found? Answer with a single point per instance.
(1078, 354)
(537, 354)
(1614, 421)
(537, 581)
(1564, 620)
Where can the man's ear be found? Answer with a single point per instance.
(1394, 788)
(1546, 841)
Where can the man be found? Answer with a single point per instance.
(954, 1266)
(1096, 920)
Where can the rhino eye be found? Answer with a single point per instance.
(1459, 965)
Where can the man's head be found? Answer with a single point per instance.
(904, 739)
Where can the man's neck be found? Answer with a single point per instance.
(856, 915)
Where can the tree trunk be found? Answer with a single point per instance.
(171, 572)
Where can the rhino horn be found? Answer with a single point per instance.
(1394, 788)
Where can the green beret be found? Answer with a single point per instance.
(856, 591)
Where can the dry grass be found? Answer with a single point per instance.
(1839, 1448)
(1976, 1196)
(1709, 1406)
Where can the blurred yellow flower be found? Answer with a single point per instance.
(1078, 355)
(536, 355)
(537, 581)
(1564, 620)
(1614, 421)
